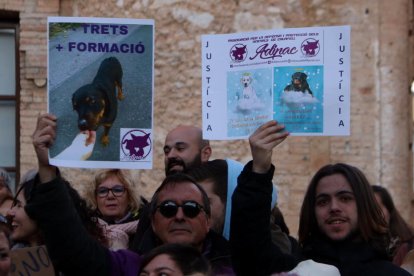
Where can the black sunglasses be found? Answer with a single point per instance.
(117, 191)
(169, 208)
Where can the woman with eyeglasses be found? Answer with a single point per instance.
(114, 197)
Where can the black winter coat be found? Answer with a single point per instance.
(253, 252)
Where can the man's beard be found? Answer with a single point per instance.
(353, 235)
(185, 166)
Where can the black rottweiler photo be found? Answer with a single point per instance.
(96, 103)
(299, 84)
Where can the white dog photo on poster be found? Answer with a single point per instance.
(248, 99)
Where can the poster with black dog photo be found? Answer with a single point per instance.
(297, 76)
(100, 88)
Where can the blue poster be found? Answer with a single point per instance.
(299, 77)
(298, 98)
(249, 100)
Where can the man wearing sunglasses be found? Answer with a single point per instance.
(179, 213)
(185, 150)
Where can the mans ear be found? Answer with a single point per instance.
(205, 153)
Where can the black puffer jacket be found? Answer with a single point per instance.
(254, 254)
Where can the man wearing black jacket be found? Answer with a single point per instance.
(179, 213)
(340, 222)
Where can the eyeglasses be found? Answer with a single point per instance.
(169, 208)
(117, 191)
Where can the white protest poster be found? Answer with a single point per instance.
(100, 87)
(297, 76)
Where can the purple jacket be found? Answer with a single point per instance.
(124, 262)
(70, 247)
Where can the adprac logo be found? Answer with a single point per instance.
(238, 52)
(310, 47)
(135, 144)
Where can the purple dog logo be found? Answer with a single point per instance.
(238, 52)
(136, 145)
(310, 47)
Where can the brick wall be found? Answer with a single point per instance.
(381, 74)
(32, 46)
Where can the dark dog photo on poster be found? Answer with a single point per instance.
(98, 93)
(96, 103)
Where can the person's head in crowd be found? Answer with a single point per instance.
(5, 260)
(24, 229)
(397, 225)
(185, 148)
(114, 195)
(212, 176)
(340, 205)
(5, 182)
(279, 220)
(174, 260)
(180, 211)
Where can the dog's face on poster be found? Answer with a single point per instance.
(246, 80)
(299, 81)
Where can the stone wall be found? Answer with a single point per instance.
(381, 74)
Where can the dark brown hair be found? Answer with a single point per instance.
(216, 172)
(371, 224)
(187, 258)
(397, 225)
(83, 210)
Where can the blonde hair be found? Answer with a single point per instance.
(125, 178)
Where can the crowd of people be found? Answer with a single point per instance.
(207, 217)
